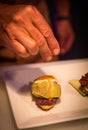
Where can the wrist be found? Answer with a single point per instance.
(60, 18)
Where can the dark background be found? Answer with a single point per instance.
(79, 13)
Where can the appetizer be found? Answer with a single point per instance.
(81, 85)
(46, 91)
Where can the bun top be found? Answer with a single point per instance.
(46, 87)
(46, 77)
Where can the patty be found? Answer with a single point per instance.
(43, 101)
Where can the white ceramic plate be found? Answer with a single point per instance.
(72, 105)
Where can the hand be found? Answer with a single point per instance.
(24, 30)
(65, 35)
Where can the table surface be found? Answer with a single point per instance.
(7, 120)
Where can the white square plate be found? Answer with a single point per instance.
(72, 105)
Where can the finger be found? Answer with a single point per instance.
(20, 49)
(44, 28)
(35, 34)
(28, 43)
(24, 38)
(70, 42)
(45, 52)
(67, 44)
(14, 45)
(44, 49)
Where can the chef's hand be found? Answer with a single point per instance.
(24, 30)
(65, 35)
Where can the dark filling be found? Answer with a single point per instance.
(84, 83)
(43, 101)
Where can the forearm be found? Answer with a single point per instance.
(62, 7)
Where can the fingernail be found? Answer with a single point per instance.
(56, 51)
(48, 58)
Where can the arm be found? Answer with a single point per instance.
(62, 7)
(63, 26)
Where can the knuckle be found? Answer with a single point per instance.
(29, 8)
(20, 16)
(17, 17)
(47, 33)
(20, 20)
(10, 28)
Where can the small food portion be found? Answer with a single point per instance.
(84, 83)
(81, 85)
(46, 91)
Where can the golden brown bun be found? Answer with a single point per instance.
(47, 107)
(49, 77)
